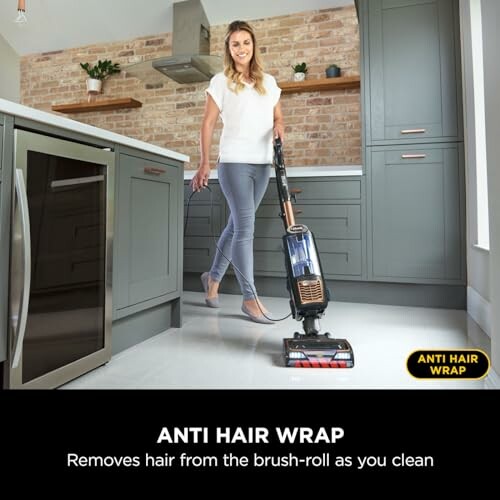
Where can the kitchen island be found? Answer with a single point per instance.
(144, 202)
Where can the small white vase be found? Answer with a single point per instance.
(94, 86)
(299, 77)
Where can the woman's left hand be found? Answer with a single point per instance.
(279, 127)
(279, 131)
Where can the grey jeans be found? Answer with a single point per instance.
(243, 185)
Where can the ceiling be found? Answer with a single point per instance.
(63, 24)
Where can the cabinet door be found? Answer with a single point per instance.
(414, 81)
(147, 231)
(416, 213)
(316, 189)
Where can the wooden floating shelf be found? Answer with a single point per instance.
(340, 82)
(107, 105)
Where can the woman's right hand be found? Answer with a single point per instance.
(200, 179)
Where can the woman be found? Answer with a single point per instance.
(247, 99)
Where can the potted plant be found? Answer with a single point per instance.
(300, 71)
(98, 73)
(332, 71)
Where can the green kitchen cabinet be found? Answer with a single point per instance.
(417, 213)
(148, 234)
(330, 207)
(411, 71)
(412, 141)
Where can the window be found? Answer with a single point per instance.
(483, 233)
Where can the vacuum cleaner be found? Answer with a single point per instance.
(309, 295)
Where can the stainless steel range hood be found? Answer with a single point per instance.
(189, 68)
(190, 61)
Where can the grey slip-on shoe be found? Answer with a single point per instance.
(258, 319)
(214, 302)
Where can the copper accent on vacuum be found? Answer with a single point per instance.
(311, 291)
(289, 217)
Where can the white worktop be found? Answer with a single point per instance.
(320, 171)
(12, 108)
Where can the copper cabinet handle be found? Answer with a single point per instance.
(412, 156)
(295, 190)
(413, 131)
(154, 170)
(297, 212)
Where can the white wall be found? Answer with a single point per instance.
(478, 260)
(491, 49)
(10, 78)
(483, 268)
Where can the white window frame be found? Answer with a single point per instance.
(481, 167)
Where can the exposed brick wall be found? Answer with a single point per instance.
(322, 128)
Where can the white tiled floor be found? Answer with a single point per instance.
(222, 349)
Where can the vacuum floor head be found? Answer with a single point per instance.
(318, 352)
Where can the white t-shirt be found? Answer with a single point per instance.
(248, 118)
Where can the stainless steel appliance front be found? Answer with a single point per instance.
(61, 261)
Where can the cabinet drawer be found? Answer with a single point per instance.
(318, 190)
(203, 196)
(269, 259)
(338, 257)
(145, 168)
(325, 221)
(199, 253)
(405, 155)
(204, 220)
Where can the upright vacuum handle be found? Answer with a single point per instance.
(282, 184)
(278, 153)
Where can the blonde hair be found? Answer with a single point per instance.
(230, 71)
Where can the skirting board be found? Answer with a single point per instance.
(479, 309)
(397, 294)
(492, 381)
(141, 326)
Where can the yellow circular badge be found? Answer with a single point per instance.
(472, 364)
